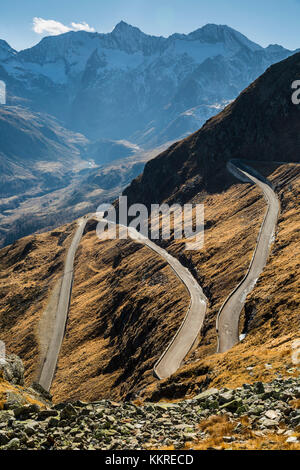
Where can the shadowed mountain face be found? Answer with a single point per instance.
(262, 124)
(132, 86)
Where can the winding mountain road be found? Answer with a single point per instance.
(184, 339)
(229, 314)
(171, 359)
(49, 365)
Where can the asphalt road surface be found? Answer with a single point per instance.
(181, 344)
(171, 359)
(229, 315)
(49, 366)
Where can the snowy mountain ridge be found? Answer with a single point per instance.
(130, 85)
(75, 48)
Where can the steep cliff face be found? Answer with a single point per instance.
(262, 124)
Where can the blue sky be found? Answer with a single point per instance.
(263, 21)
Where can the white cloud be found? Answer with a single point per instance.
(53, 28)
(82, 27)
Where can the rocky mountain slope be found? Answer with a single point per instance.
(257, 417)
(128, 85)
(270, 318)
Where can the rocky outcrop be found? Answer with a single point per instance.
(14, 397)
(12, 369)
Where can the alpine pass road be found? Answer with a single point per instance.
(49, 365)
(172, 357)
(184, 339)
(229, 314)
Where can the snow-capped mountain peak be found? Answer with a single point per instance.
(212, 33)
(131, 39)
(129, 85)
(125, 28)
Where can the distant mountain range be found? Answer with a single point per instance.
(80, 101)
(129, 85)
(262, 125)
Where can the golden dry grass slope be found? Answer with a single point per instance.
(127, 303)
(271, 314)
(29, 271)
(218, 428)
(126, 306)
